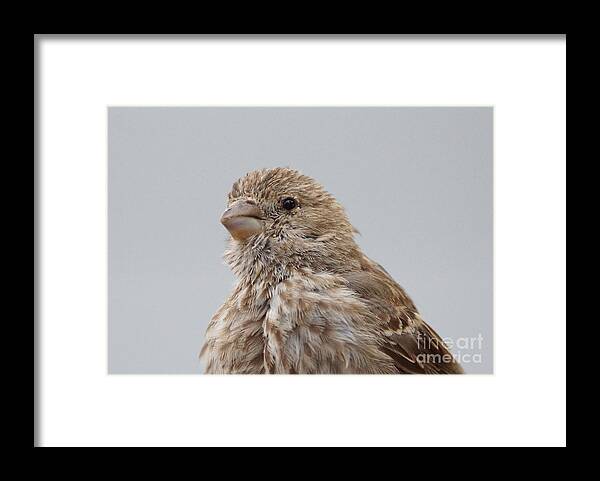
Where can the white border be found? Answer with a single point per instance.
(523, 404)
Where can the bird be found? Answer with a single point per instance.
(306, 299)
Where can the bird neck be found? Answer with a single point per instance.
(266, 263)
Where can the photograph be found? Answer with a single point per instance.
(299, 240)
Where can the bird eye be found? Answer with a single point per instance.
(288, 203)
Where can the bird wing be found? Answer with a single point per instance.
(403, 335)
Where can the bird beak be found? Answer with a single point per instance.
(242, 219)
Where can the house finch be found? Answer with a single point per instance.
(307, 300)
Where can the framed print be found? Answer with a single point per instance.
(332, 212)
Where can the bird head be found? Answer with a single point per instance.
(282, 216)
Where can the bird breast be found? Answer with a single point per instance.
(309, 324)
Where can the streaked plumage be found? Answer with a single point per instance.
(307, 300)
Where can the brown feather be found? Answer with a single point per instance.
(414, 346)
(307, 300)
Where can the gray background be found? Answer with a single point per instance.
(428, 170)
